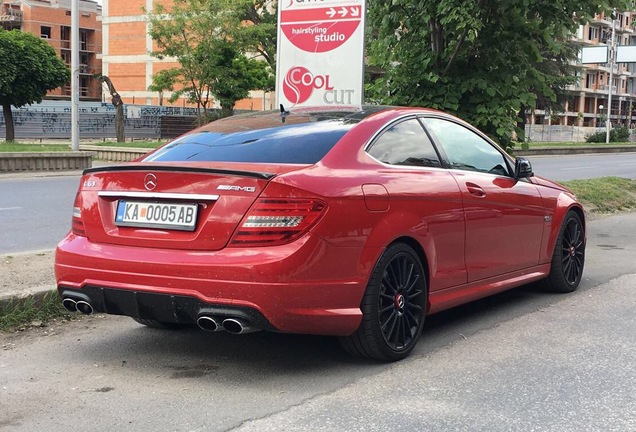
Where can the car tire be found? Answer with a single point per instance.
(393, 307)
(159, 324)
(568, 257)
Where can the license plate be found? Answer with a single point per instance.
(181, 217)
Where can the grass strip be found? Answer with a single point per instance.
(21, 147)
(605, 194)
(542, 144)
(18, 313)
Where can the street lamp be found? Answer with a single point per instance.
(600, 108)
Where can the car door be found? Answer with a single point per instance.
(504, 216)
(424, 198)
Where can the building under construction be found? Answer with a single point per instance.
(51, 20)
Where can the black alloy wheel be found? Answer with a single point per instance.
(568, 259)
(399, 308)
(572, 251)
(393, 307)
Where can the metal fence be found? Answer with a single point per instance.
(52, 120)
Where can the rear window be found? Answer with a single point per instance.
(261, 137)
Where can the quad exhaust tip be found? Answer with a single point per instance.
(231, 325)
(237, 326)
(69, 304)
(209, 324)
(73, 305)
(84, 307)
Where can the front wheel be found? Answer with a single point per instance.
(568, 258)
(393, 307)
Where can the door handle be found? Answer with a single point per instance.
(475, 190)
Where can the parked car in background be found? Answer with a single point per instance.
(352, 224)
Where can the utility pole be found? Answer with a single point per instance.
(612, 57)
(75, 90)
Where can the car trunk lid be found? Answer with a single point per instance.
(194, 206)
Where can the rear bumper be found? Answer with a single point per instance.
(161, 307)
(307, 287)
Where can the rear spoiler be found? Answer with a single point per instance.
(253, 174)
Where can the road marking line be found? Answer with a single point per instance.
(576, 168)
(10, 208)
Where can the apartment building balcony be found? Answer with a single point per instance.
(588, 42)
(604, 88)
(601, 20)
(10, 18)
(84, 46)
(83, 91)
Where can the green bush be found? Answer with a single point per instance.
(618, 134)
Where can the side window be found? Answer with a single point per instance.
(465, 149)
(405, 143)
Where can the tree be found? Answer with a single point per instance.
(30, 68)
(235, 75)
(119, 108)
(162, 81)
(483, 60)
(206, 39)
(253, 27)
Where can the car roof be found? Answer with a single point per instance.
(276, 118)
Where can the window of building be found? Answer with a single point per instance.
(66, 56)
(84, 89)
(84, 63)
(590, 82)
(592, 33)
(84, 38)
(45, 32)
(65, 33)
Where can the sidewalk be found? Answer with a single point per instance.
(26, 274)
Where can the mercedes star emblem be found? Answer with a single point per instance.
(150, 181)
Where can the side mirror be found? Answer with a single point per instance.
(523, 168)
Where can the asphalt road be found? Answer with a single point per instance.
(35, 213)
(519, 361)
(585, 166)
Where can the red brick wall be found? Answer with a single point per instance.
(36, 16)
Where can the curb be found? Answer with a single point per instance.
(574, 150)
(36, 293)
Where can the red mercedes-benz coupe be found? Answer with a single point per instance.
(353, 224)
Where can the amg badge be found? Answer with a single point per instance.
(236, 188)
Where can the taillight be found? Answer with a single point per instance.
(277, 221)
(77, 224)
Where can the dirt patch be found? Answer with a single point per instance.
(23, 274)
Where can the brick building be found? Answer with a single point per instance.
(587, 101)
(126, 56)
(51, 20)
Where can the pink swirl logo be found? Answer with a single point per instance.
(299, 84)
(295, 86)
